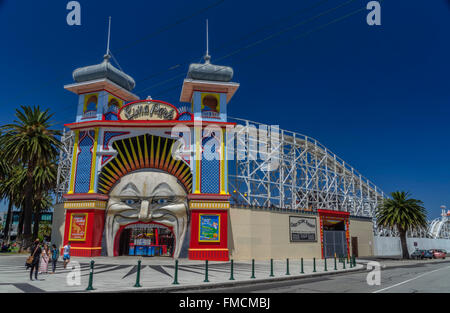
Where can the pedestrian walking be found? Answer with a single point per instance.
(36, 254)
(45, 257)
(55, 255)
(66, 254)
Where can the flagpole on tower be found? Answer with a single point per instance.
(207, 38)
(109, 36)
(207, 56)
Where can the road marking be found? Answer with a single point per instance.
(406, 281)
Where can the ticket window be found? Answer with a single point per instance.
(148, 241)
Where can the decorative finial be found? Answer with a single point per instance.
(207, 56)
(109, 36)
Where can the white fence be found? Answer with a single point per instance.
(391, 246)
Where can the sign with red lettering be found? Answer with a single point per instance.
(78, 226)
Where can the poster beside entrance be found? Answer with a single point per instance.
(302, 228)
(78, 223)
(209, 228)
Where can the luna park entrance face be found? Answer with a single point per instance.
(147, 239)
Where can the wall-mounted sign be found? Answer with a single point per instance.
(148, 110)
(209, 228)
(302, 228)
(78, 226)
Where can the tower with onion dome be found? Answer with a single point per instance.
(208, 88)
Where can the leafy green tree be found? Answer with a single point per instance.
(45, 230)
(29, 141)
(44, 183)
(41, 204)
(11, 189)
(4, 169)
(403, 214)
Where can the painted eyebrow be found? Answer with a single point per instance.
(130, 187)
(162, 187)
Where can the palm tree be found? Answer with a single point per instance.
(28, 141)
(41, 204)
(402, 213)
(4, 169)
(11, 189)
(44, 183)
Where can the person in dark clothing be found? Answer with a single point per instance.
(36, 252)
(55, 255)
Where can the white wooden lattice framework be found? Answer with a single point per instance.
(308, 176)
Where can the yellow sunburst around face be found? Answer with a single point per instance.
(146, 151)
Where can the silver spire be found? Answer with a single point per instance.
(207, 56)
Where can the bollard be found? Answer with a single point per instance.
(253, 268)
(271, 268)
(138, 275)
(343, 264)
(175, 275)
(206, 272)
(301, 267)
(354, 261)
(325, 265)
(91, 277)
(314, 265)
(232, 269)
(335, 262)
(287, 267)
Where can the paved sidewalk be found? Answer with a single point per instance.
(157, 274)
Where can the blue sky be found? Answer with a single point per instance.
(377, 96)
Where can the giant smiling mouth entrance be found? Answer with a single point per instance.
(145, 239)
(147, 197)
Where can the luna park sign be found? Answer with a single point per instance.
(148, 110)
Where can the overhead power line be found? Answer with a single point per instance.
(304, 34)
(165, 28)
(303, 10)
(268, 38)
(234, 41)
(255, 43)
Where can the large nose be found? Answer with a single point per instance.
(143, 213)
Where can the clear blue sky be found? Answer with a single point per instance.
(376, 96)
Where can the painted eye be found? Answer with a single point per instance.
(161, 201)
(130, 201)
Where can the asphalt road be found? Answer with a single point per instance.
(423, 277)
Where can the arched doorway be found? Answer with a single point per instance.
(145, 239)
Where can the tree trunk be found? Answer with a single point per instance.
(405, 253)
(28, 206)
(36, 221)
(20, 231)
(20, 226)
(8, 221)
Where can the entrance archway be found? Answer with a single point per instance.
(334, 233)
(145, 239)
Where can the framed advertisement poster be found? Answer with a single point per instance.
(302, 229)
(209, 228)
(78, 226)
